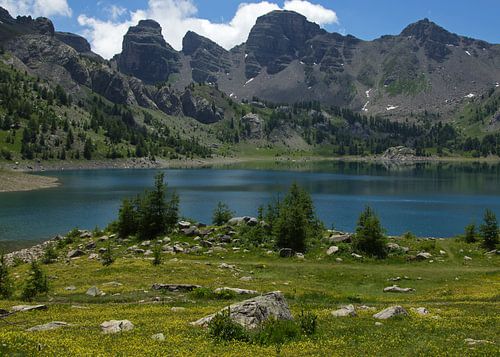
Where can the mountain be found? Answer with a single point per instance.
(291, 85)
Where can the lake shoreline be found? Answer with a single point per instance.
(11, 181)
(146, 163)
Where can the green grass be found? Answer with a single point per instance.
(462, 297)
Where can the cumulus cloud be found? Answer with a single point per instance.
(37, 7)
(179, 16)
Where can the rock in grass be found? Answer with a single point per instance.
(424, 256)
(23, 308)
(49, 326)
(286, 253)
(253, 312)
(332, 250)
(70, 288)
(397, 289)
(357, 256)
(75, 253)
(237, 291)
(177, 309)
(158, 337)
(115, 326)
(472, 342)
(467, 258)
(94, 292)
(175, 287)
(345, 311)
(421, 311)
(391, 312)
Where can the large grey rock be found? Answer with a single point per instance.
(175, 287)
(424, 256)
(49, 326)
(237, 291)
(253, 312)
(391, 312)
(94, 291)
(158, 337)
(115, 326)
(345, 311)
(75, 253)
(397, 289)
(23, 308)
(332, 250)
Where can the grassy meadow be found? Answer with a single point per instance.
(462, 296)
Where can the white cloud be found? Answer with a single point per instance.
(313, 12)
(37, 7)
(116, 11)
(179, 16)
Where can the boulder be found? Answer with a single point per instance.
(237, 291)
(299, 256)
(424, 256)
(357, 256)
(94, 292)
(158, 337)
(183, 224)
(332, 250)
(75, 253)
(467, 258)
(344, 311)
(421, 311)
(286, 252)
(397, 289)
(49, 326)
(340, 238)
(93, 256)
(391, 312)
(70, 288)
(23, 308)
(253, 312)
(115, 326)
(90, 245)
(175, 287)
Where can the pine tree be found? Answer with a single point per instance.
(489, 230)
(296, 222)
(6, 287)
(370, 238)
(470, 233)
(107, 257)
(127, 219)
(221, 214)
(36, 284)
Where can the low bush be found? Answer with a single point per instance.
(223, 329)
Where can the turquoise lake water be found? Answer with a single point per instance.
(428, 200)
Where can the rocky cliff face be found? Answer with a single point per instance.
(146, 55)
(79, 43)
(207, 58)
(277, 39)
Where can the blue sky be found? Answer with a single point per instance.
(103, 22)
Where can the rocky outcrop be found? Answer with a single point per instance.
(253, 126)
(116, 326)
(276, 39)
(79, 43)
(200, 108)
(175, 287)
(207, 58)
(146, 55)
(48, 326)
(253, 312)
(399, 154)
(391, 312)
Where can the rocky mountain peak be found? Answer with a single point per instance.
(425, 30)
(276, 39)
(146, 55)
(79, 43)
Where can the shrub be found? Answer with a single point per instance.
(107, 257)
(221, 214)
(277, 333)
(36, 284)
(470, 233)
(202, 293)
(223, 329)
(157, 258)
(409, 235)
(225, 295)
(50, 255)
(489, 230)
(370, 238)
(6, 287)
(308, 323)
